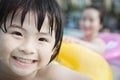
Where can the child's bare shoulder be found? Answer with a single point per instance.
(98, 40)
(62, 73)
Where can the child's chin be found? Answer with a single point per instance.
(22, 73)
(19, 71)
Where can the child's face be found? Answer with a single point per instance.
(24, 49)
(90, 22)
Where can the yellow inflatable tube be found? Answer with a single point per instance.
(85, 61)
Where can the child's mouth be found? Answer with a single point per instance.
(24, 61)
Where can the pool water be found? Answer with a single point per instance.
(115, 72)
(76, 32)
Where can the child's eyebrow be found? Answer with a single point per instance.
(19, 27)
(46, 34)
(16, 26)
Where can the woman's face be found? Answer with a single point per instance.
(90, 22)
(24, 50)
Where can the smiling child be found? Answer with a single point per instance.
(30, 38)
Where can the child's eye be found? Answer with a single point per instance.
(91, 20)
(43, 39)
(17, 33)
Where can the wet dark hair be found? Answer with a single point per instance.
(100, 10)
(41, 7)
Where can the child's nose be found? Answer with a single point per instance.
(27, 48)
(87, 24)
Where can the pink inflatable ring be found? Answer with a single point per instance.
(112, 51)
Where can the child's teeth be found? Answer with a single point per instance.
(24, 60)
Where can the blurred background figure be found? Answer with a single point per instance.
(72, 10)
(90, 24)
(112, 24)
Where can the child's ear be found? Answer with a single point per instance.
(53, 54)
(54, 51)
(101, 26)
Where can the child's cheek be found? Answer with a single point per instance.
(6, 48)
(13, 44)
(45, 53)
(9, 44)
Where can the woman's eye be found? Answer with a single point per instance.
(43, 39)
(17, 33)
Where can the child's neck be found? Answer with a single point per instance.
(9, 77)
(6, 74)
(89, 37)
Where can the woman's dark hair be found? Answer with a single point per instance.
(100, 10)
(41, 8)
